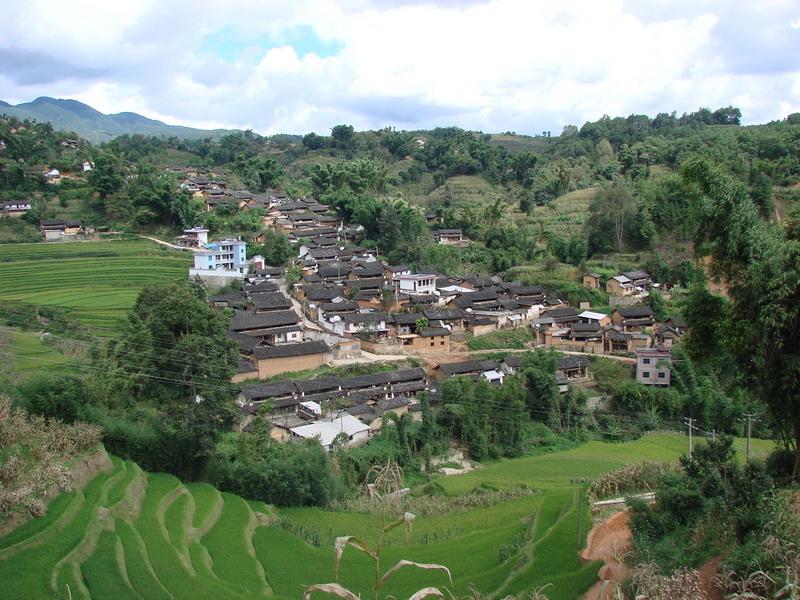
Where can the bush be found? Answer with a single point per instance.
(54, 396)
(680, 500)
(780, 464)
(295, 475)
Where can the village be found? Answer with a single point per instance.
(366, 300)
(346, 305)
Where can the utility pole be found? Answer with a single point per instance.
(749, 430)
(688, 421)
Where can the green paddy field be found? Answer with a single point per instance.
(95, 282)
(135, 535)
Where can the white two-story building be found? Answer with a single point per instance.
(220, 262)
(416, 284)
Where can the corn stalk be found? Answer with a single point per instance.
(386, 482)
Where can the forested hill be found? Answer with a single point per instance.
(610, 188)
(95, 126)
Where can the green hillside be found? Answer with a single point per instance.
(95, 282)
(95, 126)
(130, 534)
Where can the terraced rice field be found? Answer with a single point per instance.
(133, 535)
(96, 282)
(28, 353)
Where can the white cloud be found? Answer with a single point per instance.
(494, 65)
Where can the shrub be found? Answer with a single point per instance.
(780, 464)
(679, 499)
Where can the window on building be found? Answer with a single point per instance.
(645, 361)
(646, 374)
(662, 375)
(432, 344)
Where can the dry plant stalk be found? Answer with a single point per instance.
(383, 484)
(49, 443)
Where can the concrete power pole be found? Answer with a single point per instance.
(749, 431)
(688, 421)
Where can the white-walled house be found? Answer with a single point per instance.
(653, 366)
(346, 426)
(416, 284)
(196, 237)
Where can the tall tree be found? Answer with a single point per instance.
(761, 263)
(175, 353)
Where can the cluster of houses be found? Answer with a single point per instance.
(268, 331)
(349, 410)
(393, 310)
(329, 406)
(214, 192)
(634, 284)
(626, 330)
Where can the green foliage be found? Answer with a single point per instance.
(760, 263)
(358, 176)
(572, 251)
(488, 420)
(343, 136)
(282, 474)
(610, 217)
(233, 145)
(151, 365)
(258, 173)
(312, 141)
(657, 303)
(108, 174)
(713, 502)
(56, 396)
(275, 249)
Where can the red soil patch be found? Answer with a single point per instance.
(608, 541)
(707, 573)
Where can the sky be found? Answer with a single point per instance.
(294, 66)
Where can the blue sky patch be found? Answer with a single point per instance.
(230, 45)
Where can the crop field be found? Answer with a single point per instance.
(28, 353)
(566, 215)
(518, 339)
(561, 469)
(134, 535)
(95, 282)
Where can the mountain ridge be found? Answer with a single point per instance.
(95, 126)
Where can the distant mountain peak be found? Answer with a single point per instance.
(95, 126)
(74, 106)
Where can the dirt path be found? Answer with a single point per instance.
(608, 541)
(167, 244)
(707, 573)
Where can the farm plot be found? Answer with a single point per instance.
(28, 353)
(566, 215)
(562, 469)
(134, 535)
(95, 282)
